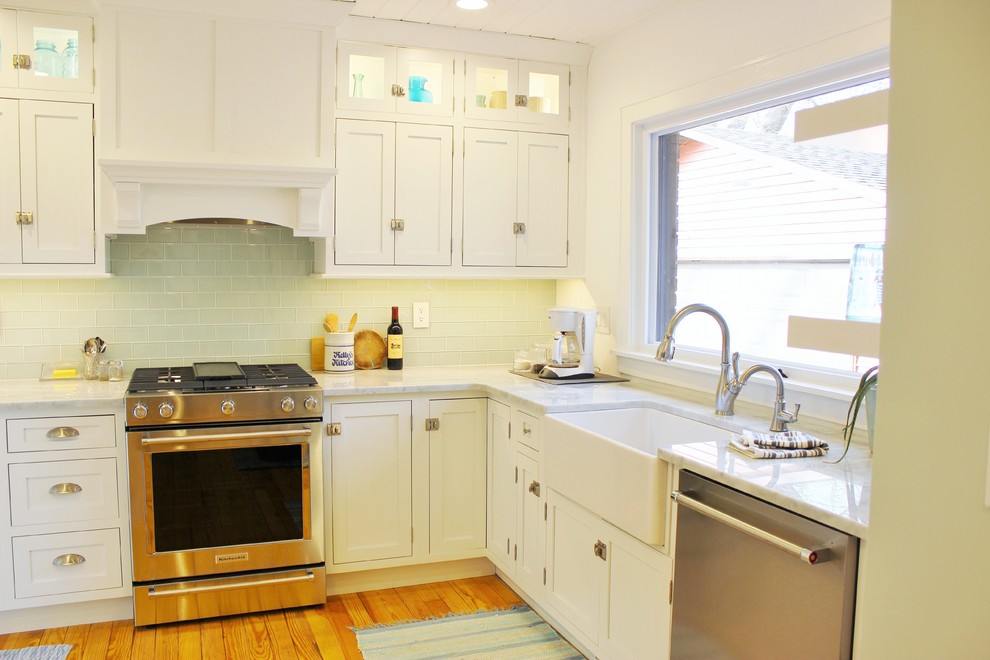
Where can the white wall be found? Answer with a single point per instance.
(926, 586)
(685, 54)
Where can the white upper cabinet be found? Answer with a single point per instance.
(52, 52)
(46, 183)
(393, 199)
(235, 90)
(391, 79)
(515, 198)
(517, 90)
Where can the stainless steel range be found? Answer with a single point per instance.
(226, 489)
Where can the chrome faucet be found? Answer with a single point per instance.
(725, 397)
(730, 384)
(781, 416)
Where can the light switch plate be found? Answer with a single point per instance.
(603, 322)
(421, 314)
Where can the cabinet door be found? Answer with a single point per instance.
(458, 475)
(575, 573)
(491, 85)
(502, 487)
(542, 200)
(637, 620)
(365, 75)
(423, 179)
(10, 181)
(427, 78)
(490, 188)
(51, 69)
(8, 47)
(365, 192)
(371, 476)
(57, 182)
(547, 88)
(531, 531)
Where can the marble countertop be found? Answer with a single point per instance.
(836, 495)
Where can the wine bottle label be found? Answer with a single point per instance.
(395, 347)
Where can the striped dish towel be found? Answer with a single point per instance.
(790, 444)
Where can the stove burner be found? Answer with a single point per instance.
(162, 379)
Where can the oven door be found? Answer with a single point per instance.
(218, 500)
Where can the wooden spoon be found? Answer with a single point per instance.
(331, 323)
(353, 322)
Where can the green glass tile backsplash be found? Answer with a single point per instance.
(188, 293)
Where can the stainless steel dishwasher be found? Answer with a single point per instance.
(752, 580)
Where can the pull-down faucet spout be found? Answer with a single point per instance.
(724, 396)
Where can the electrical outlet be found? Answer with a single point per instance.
(603, 322)
(421, 314)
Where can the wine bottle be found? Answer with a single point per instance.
(394, 336)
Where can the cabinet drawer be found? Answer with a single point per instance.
(65, 563)
(63, 491)
(50, 433)
(526, 429)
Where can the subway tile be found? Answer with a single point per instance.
(165, 267)
(181, 251)
(147, 251)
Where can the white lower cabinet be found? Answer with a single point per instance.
(50, 564)
(371, 476)
(457, 475)
(611, 589)
(516, 502)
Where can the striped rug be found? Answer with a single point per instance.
(515, 633)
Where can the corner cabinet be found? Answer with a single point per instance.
(515, 198)
(611, 588)
(393, 193)
(46, 183)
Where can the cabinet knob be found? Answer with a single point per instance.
(522, 100)
(24, 218)
(600, 550)
(21, 61)
(68, 559)
(398, 90)
(534, 488)
(518, 227)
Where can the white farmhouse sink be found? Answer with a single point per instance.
(606, 461)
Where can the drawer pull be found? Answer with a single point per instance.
(68, 559)
(62, 433)
(65, 489)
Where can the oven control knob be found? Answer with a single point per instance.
(166, 410)
(227, 407)
(311, 403)
(288, 404)
(140, 411)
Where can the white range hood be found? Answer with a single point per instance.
(145, 193)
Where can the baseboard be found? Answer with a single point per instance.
(404, 576)
(68, 614)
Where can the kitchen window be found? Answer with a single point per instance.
(776, 211)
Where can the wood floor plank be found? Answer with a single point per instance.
(211, 639)
(23, 640)
(306, 634)
(343, 619)
(489, 594)
(278, 632)
(76, 635)
(53, 636)
(245, 636)
(355, 609)
(190, 642)
(121, 640)
(386, 606)
(507, 594)
(328, 643)
(97, 641)
(166, 641)
(144, 643)
(423, 601)
(455, 601)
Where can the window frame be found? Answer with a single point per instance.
(694, 366)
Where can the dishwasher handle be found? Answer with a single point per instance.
(806, 555)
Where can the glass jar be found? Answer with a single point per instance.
(417, 90)
(47, 61)
(70, 59)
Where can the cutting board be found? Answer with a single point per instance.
(317, 353)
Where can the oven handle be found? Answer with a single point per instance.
(249, 435)
(183, 591)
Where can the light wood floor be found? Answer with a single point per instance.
(311, 632)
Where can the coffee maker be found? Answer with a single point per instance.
(572, 347)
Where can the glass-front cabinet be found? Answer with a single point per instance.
(392, 79)
(46, 51)
(517, 90)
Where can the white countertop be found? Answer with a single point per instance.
(836, 495)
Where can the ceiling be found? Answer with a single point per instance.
(578, 21)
